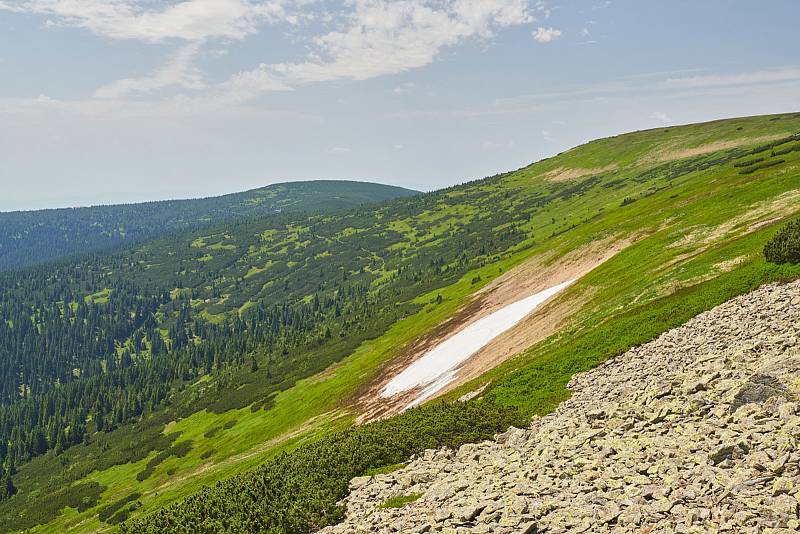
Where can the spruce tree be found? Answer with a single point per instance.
(7, 488)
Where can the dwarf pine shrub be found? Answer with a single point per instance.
(785, 246)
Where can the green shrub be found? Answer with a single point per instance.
(123, 514)
(213, 432)
(785, 246)
(82, 497)
(179, 450)
(298, 491)
(230, 424)
(748, 163)
(765, 165)
(105, 513)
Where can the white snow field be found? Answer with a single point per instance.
(438, 366)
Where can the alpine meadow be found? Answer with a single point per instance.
(210, 380)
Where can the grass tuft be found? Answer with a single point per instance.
(400, 501)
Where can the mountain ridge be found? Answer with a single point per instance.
(244, 192)
(29, 237)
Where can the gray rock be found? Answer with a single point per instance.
(694, 431)
(758, 389)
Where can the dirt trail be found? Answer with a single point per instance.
(534, 275)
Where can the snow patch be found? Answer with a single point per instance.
(438, 367)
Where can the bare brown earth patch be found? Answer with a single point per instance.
(532, 276)
(760, 215)
(563, 174)
(326, 374)
(667, 154)
(672, 286)
(762, 224)
(725, 266)
(699, 239)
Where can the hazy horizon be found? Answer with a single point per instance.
(143, 196)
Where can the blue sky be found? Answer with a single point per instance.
(125, 100)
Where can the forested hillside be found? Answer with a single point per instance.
(30, 237)
(135, 378)
(114, 332)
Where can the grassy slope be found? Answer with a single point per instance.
(31, 237)
(695, 202)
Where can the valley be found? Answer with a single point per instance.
(235, 359)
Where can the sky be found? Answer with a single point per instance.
(109, 101)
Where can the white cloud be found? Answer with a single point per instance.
(546, 35)
(659, 83)
(246, 85)
(661, 74)
(789, 74)
(178, 71)
(542, 9)
(380, 37)
(339, 150)
(192, 21)
(150, 21)
(113, 112)
(359, 40)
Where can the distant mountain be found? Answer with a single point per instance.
(31, 237)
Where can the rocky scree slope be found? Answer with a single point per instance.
(695, 431)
